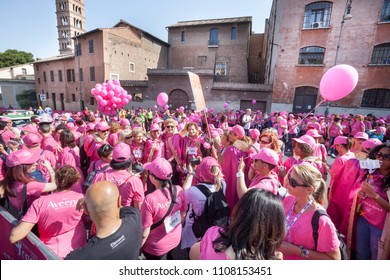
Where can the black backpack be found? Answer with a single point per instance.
(314, 224)
(215, 212)
(91, 176)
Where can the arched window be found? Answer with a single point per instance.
(213, 36)
(376, 98)
(385, 13)
(381, 54)
(234, 33)
(317, 15)
(311, 55)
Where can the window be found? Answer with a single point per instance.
(60, 75)
(78, 49)
(92, 101)
(131, 67)
(47, 95)
(317, 15)
(114, 76)
(81, 75)
(73, 97)
(24, 71)
(92, 74)
(138, 96)
(376, 98)
(234, 33)
(311, 55)
(381, 54)
(70, 75)
(44, 76)
(90, 46)
(213, 37)
(183, 36)
(202, 61)
(255, 77)
(385, 14)
(39, 81)
(52, 76)
(220, 68)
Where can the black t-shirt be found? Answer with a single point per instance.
(124, 244)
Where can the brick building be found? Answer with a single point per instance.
(306, 38)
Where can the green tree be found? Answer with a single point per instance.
(27, 99)
(15, 57)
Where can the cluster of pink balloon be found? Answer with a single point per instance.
(110, 96)
(162, 100)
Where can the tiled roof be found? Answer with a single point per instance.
(211, 21)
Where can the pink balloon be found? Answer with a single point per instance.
(211, 110)
(181, 109)
(103, 102)
(338, 82)
(253, 101)
(98, 86)
(130, 97)
(116, 82)
(155, 106)
(103, 93)
(166, 107)
(162, 99)
(99, 98)
(114, 106)
(125, 100)
(225, 105)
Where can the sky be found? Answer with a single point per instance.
(30, 26)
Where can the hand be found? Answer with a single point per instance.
(241, 164)
(282, 171)
(368, 189)
(80, 205)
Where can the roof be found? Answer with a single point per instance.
(58, 57)
(211, 21)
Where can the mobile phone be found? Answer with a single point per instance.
(195, 161)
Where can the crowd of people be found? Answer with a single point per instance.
(92, 186)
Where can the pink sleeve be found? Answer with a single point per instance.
(138, 189)
(327, 237)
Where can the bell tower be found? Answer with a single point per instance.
(70, 22)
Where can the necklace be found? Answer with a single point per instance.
(289, 225)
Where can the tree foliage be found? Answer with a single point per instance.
(15, 57)
(27, 99)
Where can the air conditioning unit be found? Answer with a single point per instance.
(316, 24)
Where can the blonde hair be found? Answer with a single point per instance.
(311, 176)
(124, 133)
(137, 131)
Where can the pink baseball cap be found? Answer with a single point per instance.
(90, 126)
(23, 156)
(155, 127)
(102, 126)
(5, 119)
(267, 155)
(381, 121)
(70, 125)
(121, 152)
(238, 130)
(361, 135)
(340, 140)
(158, 120)
(370, 144)
(30, 128)
(254, 133)
(159, 167)
(313, 133)
(32, 140)
(124, 122)
(203, 171)
(306, 139)
(214, 134)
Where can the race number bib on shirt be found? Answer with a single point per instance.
(137, 153)
(172, 221)
(192, 150)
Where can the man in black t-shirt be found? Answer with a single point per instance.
(118, 229)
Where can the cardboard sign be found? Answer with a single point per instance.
(197, 91)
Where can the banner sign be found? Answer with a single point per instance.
(197, 91)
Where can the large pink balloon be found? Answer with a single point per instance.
(162, 99)
(225, 105)
(254, 101)
(338, 82)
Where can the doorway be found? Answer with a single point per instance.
(305, 99)
(178, 98)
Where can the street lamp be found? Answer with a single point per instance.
(76, 50)
(346, 16)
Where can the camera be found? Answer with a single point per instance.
(195, 161)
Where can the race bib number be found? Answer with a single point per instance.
(172, 221)
(192, 150)
(137, 153)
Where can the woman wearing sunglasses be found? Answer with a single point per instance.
(307, 191)
(370, 211)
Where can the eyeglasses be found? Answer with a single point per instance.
(264, 142)
(293, 183)
(170, 126)
(382, 156)
(128, 137)
(104, 131)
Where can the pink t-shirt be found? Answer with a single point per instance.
(301, 231)
(207, 251)
(130, 187)
(50, 144)
(158, 150)
(59, 223)
(282, 127)
(269, 182)
(69, 156)
(113, 138)
(97, 165)
(34, 190)
(357, 127)
(155, 206)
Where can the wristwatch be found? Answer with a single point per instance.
(304, 252)
(239, 174)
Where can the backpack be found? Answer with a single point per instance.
(215, 212)
(314, 224)
(91, 176)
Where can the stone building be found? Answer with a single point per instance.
(306, 38)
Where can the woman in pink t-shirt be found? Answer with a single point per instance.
(59, 223)
(256, 231)
(191, 143)
(70, 153)
(307, 191)
(358, 125)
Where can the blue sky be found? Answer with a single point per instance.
(30, 26)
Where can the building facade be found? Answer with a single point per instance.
(307, 38)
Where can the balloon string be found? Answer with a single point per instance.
(297, 124)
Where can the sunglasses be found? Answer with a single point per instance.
(382, 156)
(264, 142)
(128, 137)
(293, 183)
(170, 126)
(104, 131)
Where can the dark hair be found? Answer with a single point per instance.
(105, 150)
(45, 127)
(2, 125)
(371, 155)
(66, 176)
(257, 228)
(306, 150)
(165, 184)
(59, 127)
(67, 139)
(123, 165)
(348, 146)
(16, 174)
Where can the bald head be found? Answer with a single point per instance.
(102, 197)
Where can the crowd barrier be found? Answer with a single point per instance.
(29, 248)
